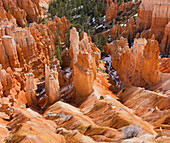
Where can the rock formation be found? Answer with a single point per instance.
(30, 89)
(153, 18)
(85, 56)
(75, 103)
(147, 105)
(52, 85)
(165, 44)
(21, 11)
(133, 65)
(59, 27)
(160, 18)
(51, 90)
(144, 19)
(21, 47)
(129, 31)
(165, 65)
(113, 10)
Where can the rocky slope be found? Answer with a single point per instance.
(120, 97)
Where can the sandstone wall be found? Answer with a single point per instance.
(144, 19)
(113, 9)
(165, 44)
(59, 27)
(160, 18)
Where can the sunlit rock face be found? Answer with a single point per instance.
(112, 11)
(165, 65)
(153, 18)
(12, 85)
(59, 27)
(23, 11)
(30, 89)
(139, 65)
(160, 18)
(25, 47)
(51, 85)
(85, 56)
(145, 13)
(151, 106)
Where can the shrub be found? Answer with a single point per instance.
(7, 9)
(131, 131)
(101, 97)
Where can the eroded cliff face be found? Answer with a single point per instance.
(134, 65)
(165, 65)
(151, 106)
(112, 11)
(59, 27)
(98, 115)
(25, 48)
(23, 11)
(165, 44)
(153, 18)
(145, 13)
(160, 18)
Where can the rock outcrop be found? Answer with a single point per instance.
(129, 31)
(113, 10)
(144, 19)
(59, 27)
(51, 85)
(23, 11)
(30, 48)
(30, 89)
(85, 56)
(29, 126)
(160, 18)
(165, 65)
(134, 65)
(153, 107)
(153, 18)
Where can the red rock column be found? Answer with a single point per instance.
(52, 85)
(11, 51)
(30, 89)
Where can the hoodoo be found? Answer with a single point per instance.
(84, 71)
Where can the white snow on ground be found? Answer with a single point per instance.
(136, 15)
(67, 69)
(68, 74)
(123, 25)
(76, 16)
(111, 71)
(66, 87)
(43, 90)
(93, 20)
